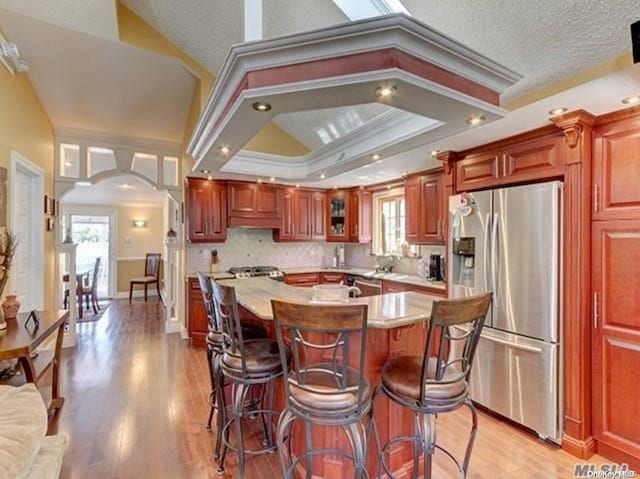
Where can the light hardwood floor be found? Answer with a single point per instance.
(137, 403)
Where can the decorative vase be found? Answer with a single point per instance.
(11, 306)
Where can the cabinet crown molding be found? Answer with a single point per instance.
(573, 124)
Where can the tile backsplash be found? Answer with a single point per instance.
(252, 247)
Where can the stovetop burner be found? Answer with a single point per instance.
(255, 271)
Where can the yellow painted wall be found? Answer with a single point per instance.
(26, 128)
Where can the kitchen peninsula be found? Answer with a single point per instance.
(398, 325)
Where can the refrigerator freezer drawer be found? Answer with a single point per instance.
(517, 377)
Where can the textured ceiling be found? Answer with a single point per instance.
(206, 29)
(96, 17)
(94, 84)
(544, 40)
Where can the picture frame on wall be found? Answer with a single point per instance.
(54, 207)
(46, 204)
(51, 224)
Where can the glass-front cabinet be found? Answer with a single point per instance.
(337, 227)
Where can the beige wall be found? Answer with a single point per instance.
(25, 128)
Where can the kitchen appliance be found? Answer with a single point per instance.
(368, 287)
(436, 263)
(257, 271)
(508, 241)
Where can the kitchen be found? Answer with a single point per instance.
(400, 241)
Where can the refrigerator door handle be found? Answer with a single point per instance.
(485, 242)
(494, 256)
(531, 349)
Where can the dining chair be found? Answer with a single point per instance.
(151, 276)
(87, 294)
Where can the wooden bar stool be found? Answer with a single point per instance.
(325, 383)
(437, 382)
(214, 353)
(245, 364)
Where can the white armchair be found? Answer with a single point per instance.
(25, 450)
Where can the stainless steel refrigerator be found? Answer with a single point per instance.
(509, 241)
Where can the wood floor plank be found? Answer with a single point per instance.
(137, 402)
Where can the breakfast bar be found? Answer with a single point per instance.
(398, 324)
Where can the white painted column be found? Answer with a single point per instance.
(252, 20)
(68, 251)
(174, 292)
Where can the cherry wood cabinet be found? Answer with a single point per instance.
(254, 205)
(206, 210)
(425, 209)
(523, 161)
(331, 278)
(616, 170)
(197, 323)
(338, 216)
(360, 216)
(302, 279)
(303, 216)
(616, 339)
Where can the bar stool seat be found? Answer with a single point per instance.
(261, 356)
(402, 376)
(320, 390)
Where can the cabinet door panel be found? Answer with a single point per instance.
(616, 169)
(337, 216)
(478, 171)
(412, 206)
(431, 198)
(365, 217)
(318, 215)
(354, 227)
(286, 231)
(268, 201)
(197, 205)
(197, 319)
(534, 159)
(616, 335)
(242, 199)
(302, 215)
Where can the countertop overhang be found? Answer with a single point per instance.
(385, 311)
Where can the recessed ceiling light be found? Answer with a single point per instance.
(322, 176)
(388, 187)
(631, 100)
(386, 91)
(376, 156)
(435, 153)
(126, 186)
(205, 172)
(404, 173)
(335, 187)
(259, 180)
(475, 120)
(297, 185)
(83, 183)
(272, 179)
(224, 150)
(558, 111)
(261, 106)
(209, 177)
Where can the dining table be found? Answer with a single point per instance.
(80, 281)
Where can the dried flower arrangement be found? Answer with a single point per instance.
(8, 245)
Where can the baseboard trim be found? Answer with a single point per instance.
(172, 327)
(136, 294)
(582, 448)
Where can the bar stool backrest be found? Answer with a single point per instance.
(321, 340)
(226, 312)
(453, 352)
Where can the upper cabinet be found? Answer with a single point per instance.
(526, 160)
(207, 210)
(338, 216)
(360, 216)
(425, 209)
(616, 170)
(303, 216)
(254, 205)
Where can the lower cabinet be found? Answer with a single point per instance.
(331, 278)
(197, 322)
(302, 279)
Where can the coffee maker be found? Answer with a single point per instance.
(436, 267)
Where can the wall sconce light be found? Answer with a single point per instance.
(139, 223)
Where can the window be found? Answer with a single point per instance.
(99, 160)
(69, 160)
(389, 222)
(146, 165)
(170, 170)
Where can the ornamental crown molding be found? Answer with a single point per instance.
(573, 124)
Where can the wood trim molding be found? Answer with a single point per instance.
(572, 124)
(624, 114)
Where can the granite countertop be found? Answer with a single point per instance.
(367, 273)
(217, 275)
(386, 311)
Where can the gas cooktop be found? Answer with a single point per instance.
(255, 271)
